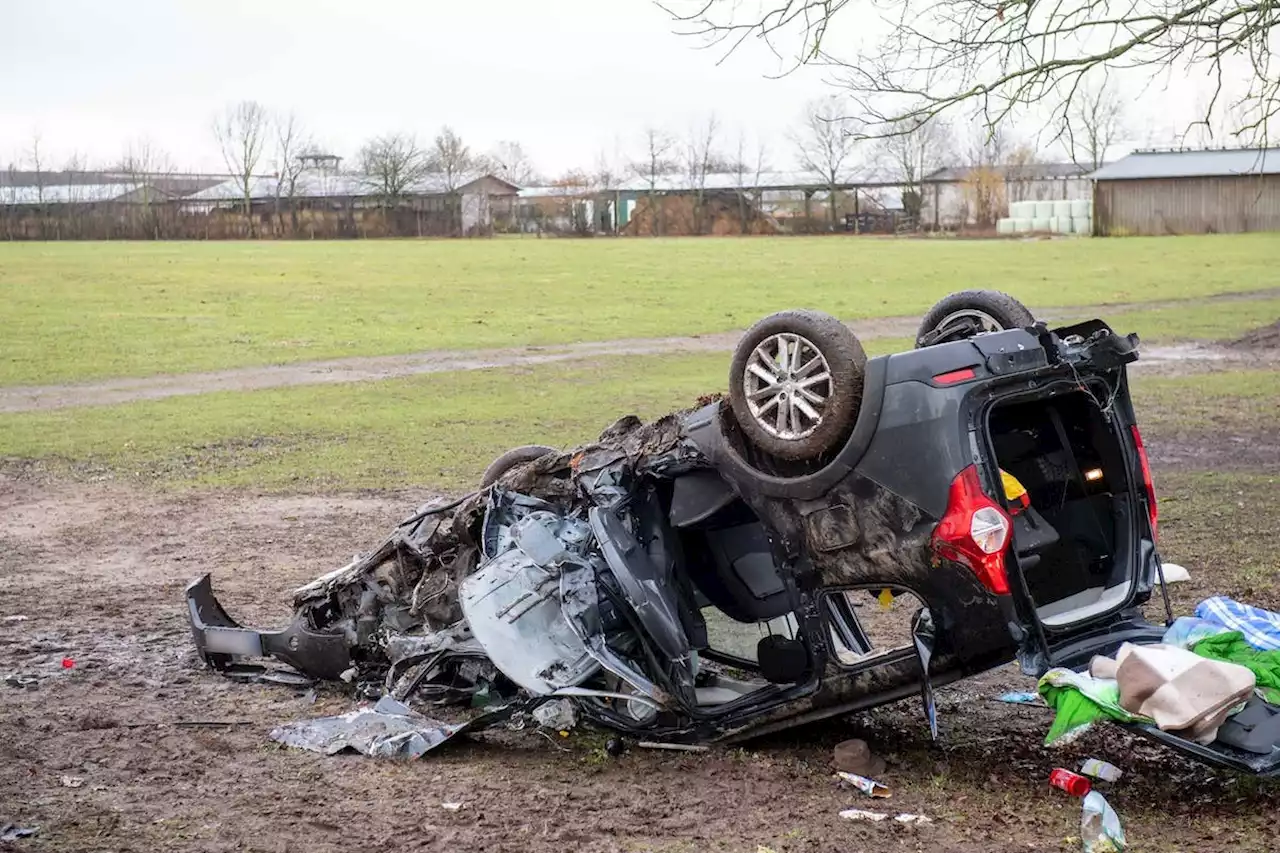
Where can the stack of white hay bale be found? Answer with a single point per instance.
(1052, 217)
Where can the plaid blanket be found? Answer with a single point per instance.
(1261, 628)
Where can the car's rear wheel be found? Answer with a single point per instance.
(796, 383)
(512, 458)
(971, 312)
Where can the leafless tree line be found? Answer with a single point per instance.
(714, 172)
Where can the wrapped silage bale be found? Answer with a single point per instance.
(1021, 226)
(1044, 210)
(1041, 223)
(1081, 225)
(1080, 208)
(1004, 226)
(1060, 225)
(1022, 210)
(1062, 209)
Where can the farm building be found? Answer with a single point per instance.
(979, 195)
(748, 202)
(75, 205)
(323, 202)
(1188, 192)
(795, 202)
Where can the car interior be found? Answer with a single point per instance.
(738, 612)
(1072, 539)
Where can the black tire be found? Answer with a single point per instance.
(1003, 309)
(816, 334)
(512, 458)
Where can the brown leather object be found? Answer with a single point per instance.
(854, 756)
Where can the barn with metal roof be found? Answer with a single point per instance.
(1188, 192)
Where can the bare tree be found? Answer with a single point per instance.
(987, 155)
(35, 155)
(748, 165)
(391, 165)
(938, 55)
(911, 154)
(9, 196)
(291, 142)
(509, 161)
(825, 144)
(655, 163)
(144, 164)
(241, 131)
(697, 156)
(1095, 122)
(451, 159)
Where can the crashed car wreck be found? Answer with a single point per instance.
(824, 478)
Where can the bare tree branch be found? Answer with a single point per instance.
(998, 56)
(1094, 123)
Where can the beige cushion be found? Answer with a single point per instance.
(1180, 690)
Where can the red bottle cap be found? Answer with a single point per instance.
(1073, 783)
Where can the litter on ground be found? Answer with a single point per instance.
(870, 787)
(905, 818)
(389, 729)
(1100, 830)
(1099, 769)
(13, 832)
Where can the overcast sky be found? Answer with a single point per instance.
(569, 79)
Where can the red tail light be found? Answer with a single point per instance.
(1152, 511)
(974, 531)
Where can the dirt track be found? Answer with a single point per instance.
(114, 391)
(94, 573)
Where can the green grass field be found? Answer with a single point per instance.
(76, 311)
(442, 429)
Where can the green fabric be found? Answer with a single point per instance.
(1233, 648)
(1080, 700)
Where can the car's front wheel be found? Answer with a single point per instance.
(971, 312)
(795, 384)
(510, 459)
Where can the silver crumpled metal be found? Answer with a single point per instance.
(388, 729)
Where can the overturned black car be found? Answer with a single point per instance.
(995, 474)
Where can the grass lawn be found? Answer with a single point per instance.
(1219, 321)
(442, 429)
(75, 311)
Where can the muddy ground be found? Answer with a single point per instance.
(172, 757)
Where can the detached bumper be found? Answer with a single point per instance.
(227, 647)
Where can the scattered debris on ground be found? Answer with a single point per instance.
(905, 818)
(854, 756)
(870, 787)
(1100, 830)
(13, 832)
(1099, 769)
(388, 729)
